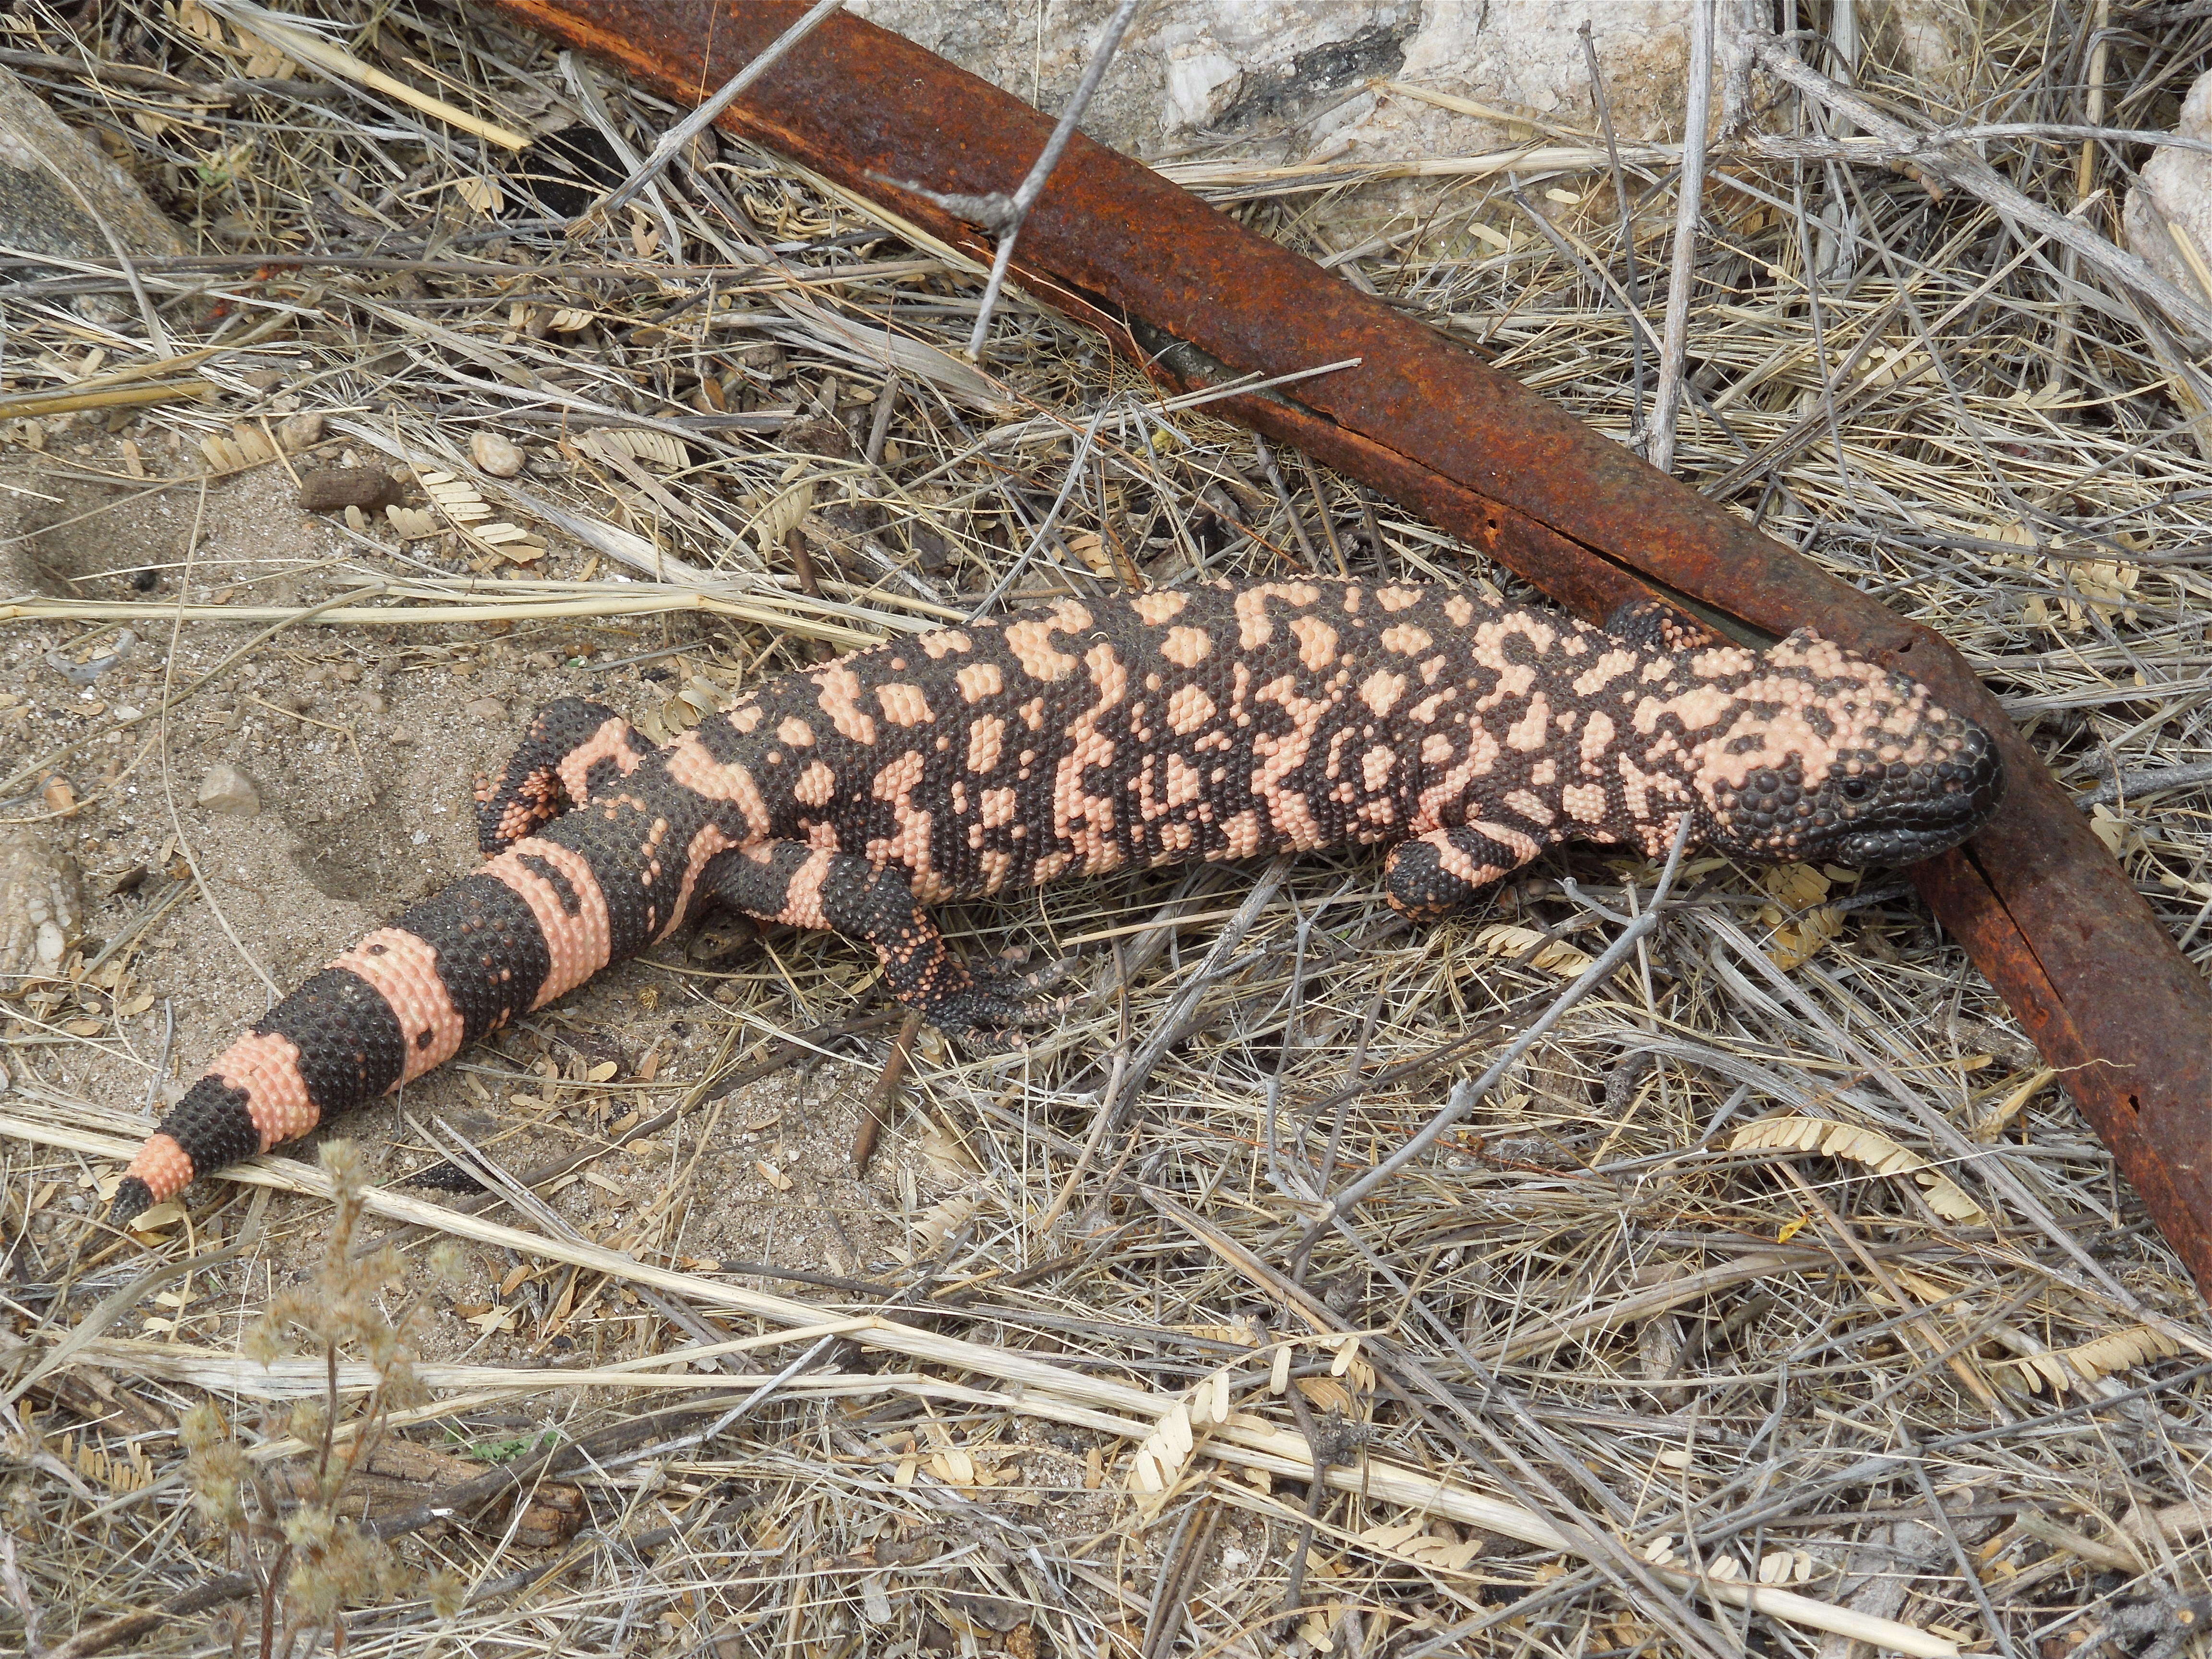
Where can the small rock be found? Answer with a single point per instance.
(370, 702)
(41, 905)
(489, 709)
(226, 789)
(2174, 196)
(366, 487)
(302, 431)
(263, 379)
(495, 454)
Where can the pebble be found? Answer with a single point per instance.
(41, 905)
(486, 708)
(302, 431)
(227, 789)
(496, 455)
(373, 702)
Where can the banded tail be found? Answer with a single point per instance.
(535, 921)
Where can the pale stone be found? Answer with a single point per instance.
(1290, 78)
(490, 709)
(302, 431)
(227, 790)
(2174, 201)
(496, 455)
(1932, 41)
(1286, 81)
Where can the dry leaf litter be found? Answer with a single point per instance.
(1779, 1275)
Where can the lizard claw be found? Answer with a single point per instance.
(990, 1015)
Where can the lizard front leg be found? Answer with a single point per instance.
(1433, 875)
(804, 886)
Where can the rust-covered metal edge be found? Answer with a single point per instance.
(2044, 910)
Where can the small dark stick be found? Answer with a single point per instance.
(1283, 495)
(879, 428)
(884, 1098)
(802, 562)
(1179, 1574)
(1327, 1444)
(1327, 517)
(1002, 215)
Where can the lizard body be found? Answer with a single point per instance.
(1217, 722)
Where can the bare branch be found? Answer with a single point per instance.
(1465, 1099)
(703, 117)
(1964, 171)
(1675, 344)
(1003, 215)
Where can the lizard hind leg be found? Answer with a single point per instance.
(803, 886)
(1432, 876)
(573, 750)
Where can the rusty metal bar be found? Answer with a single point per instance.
(2042, 907)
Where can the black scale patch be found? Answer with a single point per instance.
(214, 1124)
(550, 873)
(491, 954)
(351, 1048)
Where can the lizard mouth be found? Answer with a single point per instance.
(1966, 790)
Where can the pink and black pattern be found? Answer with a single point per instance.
(573, 750)
(1144, 729)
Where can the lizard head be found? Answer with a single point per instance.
(1819, 754)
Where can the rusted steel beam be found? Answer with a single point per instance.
(2044, 910)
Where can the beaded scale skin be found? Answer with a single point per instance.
(1218, 722)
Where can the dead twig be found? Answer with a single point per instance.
(1689, 211)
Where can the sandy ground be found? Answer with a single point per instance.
(363, 748)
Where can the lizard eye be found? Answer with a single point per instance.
(1856, 789)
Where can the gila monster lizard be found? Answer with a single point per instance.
(1151, 728)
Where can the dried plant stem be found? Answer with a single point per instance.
(1970, 173)
(700, 118)
(1046, 1389)
(1689, 210)
(882, 1098)
(312, 50)
(1468, 1096)
(1003, 215)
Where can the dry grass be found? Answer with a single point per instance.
(1580, 1374)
